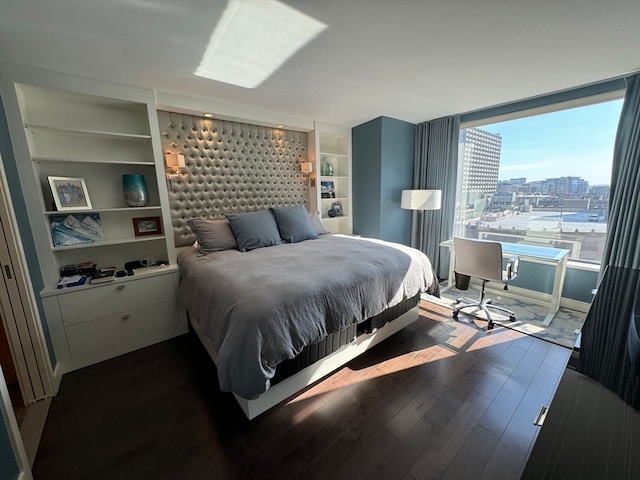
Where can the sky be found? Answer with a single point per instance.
(576, 142)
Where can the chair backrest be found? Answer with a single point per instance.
(478, 258)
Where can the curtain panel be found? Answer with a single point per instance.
(623, 232)
(436, 167)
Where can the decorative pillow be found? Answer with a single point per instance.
(213, 235)
(254, 230)
(294, 224)
(314, 217)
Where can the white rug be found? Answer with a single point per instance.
(529, 316)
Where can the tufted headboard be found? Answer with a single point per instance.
(230, 167)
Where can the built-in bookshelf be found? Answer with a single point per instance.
(79, 144)
(333, 173)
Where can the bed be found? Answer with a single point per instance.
(278, 317)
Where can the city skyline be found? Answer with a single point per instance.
(571, 143)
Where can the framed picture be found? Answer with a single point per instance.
(147, 226)
(69, 193)
(327, 189)
(74, 229)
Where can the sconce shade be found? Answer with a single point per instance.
(174, 160)
(421, 199)
(306, 167)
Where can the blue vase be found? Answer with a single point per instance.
(135, 191)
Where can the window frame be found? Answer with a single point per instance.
(571, 99)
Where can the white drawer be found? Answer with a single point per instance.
(103, 332)
(113, 298)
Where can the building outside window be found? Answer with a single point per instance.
(540, 179)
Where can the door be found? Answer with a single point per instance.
(17, 308)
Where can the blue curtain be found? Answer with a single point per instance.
(436, 167)
(623, 232)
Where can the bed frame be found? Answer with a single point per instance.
(314, 372)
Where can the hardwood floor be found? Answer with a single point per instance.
(438, 400)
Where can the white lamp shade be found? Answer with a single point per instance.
(174, 160)
(306, 167)
(421, 199)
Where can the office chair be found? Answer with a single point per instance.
(482, 259)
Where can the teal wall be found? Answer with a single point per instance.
(383, 151)
(20, 209)
(8, 464)
(366, 151)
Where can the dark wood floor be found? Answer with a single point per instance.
(439, 399)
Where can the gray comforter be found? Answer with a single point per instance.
(264, 306)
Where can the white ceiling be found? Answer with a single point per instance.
(407, 59)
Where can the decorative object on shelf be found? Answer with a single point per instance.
(86, 268)
(335, 210)
(72, 281)
(69, 193)
(75, 229)
(327, 169)
(147, 226)
(135, 191)
(327, 190)
(104, 275)
(421, 199)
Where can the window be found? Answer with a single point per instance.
(540, 179)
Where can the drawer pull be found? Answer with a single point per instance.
(126, 316)
(120, 287)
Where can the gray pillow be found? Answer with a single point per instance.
(314, 217)
(254, 230)
(213, 235)
(294, 224)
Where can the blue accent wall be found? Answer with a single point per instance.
(8, 464)
(366, 152)
(20, 209)
(383, 151)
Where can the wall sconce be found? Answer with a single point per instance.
(307, 170)
(174, 162)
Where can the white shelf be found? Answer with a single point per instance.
(102, 210)
(89, 162)
(106, 243)
(334, 154)
(87, 133)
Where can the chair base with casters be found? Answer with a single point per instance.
(483, 259)
(483, 304)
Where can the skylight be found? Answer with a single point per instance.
(253, 39)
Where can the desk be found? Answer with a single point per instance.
(531, 253)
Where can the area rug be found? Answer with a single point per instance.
(563, 330)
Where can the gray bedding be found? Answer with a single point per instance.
(264, 306)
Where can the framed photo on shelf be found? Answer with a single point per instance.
(147, 226)
(327, 189)
(75, 229)
(69, 193)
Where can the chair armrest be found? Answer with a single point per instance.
(512, 267)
